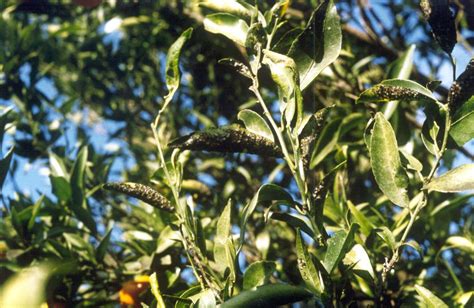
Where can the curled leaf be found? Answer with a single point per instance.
(295, 220)
(441, 19)
(239, 66)
(5, 165)
(462, 89)
(172, 59)
(228, 25)
(143, 193)
(230, 139)
(235, 7)
(396, 89)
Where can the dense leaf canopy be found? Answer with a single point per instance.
(177, 153)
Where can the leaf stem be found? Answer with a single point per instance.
(281, 140)
(272, 34)
(203, 280)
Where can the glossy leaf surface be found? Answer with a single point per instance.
(228, 25)
(255, 123)
(258, 273)
(385, 161)
(270, 295)
(308, 270)
(429, 299)
(338, 245)
(458, 179)
(319, 44)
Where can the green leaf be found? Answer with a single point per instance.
(456, 180)
(326, 142)
(167, 238)
(155, 290)
(413, 162)
(229, 257)
(307, 269)
(319, 44)
(254, 123)
(451, 204)
(396, 89)
(462, 126)
(188, 296)
(76, 243)
(297, 221)
(466, 299)
(172, 63)
(34, 212)
(266, 193)
(432, 131)
(234, 7)
(365, 224)
(359, 261)
(403, 66)
(229, 139)
(12, 292)
(460, 242)
(78, 203)
(16, 222)
(385, 161)
(285, 74)
(228, 25)
(220, 240)
(4, 120)
(77, 176)
(401, 69)
(5, 166)
(101, 249)
(57, 167)
(270, 295)
(387, 237)
(207, 299)
(258, 273)
(61, 188)
(338, 245)
(428, 298)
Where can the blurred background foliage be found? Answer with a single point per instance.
(85, 84)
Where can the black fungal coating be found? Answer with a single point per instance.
(143, 193)
(463, 88)
(441, 19)
(395, 92)
(239, 66)
(307, 139)
(230, 139)
(306, 143)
